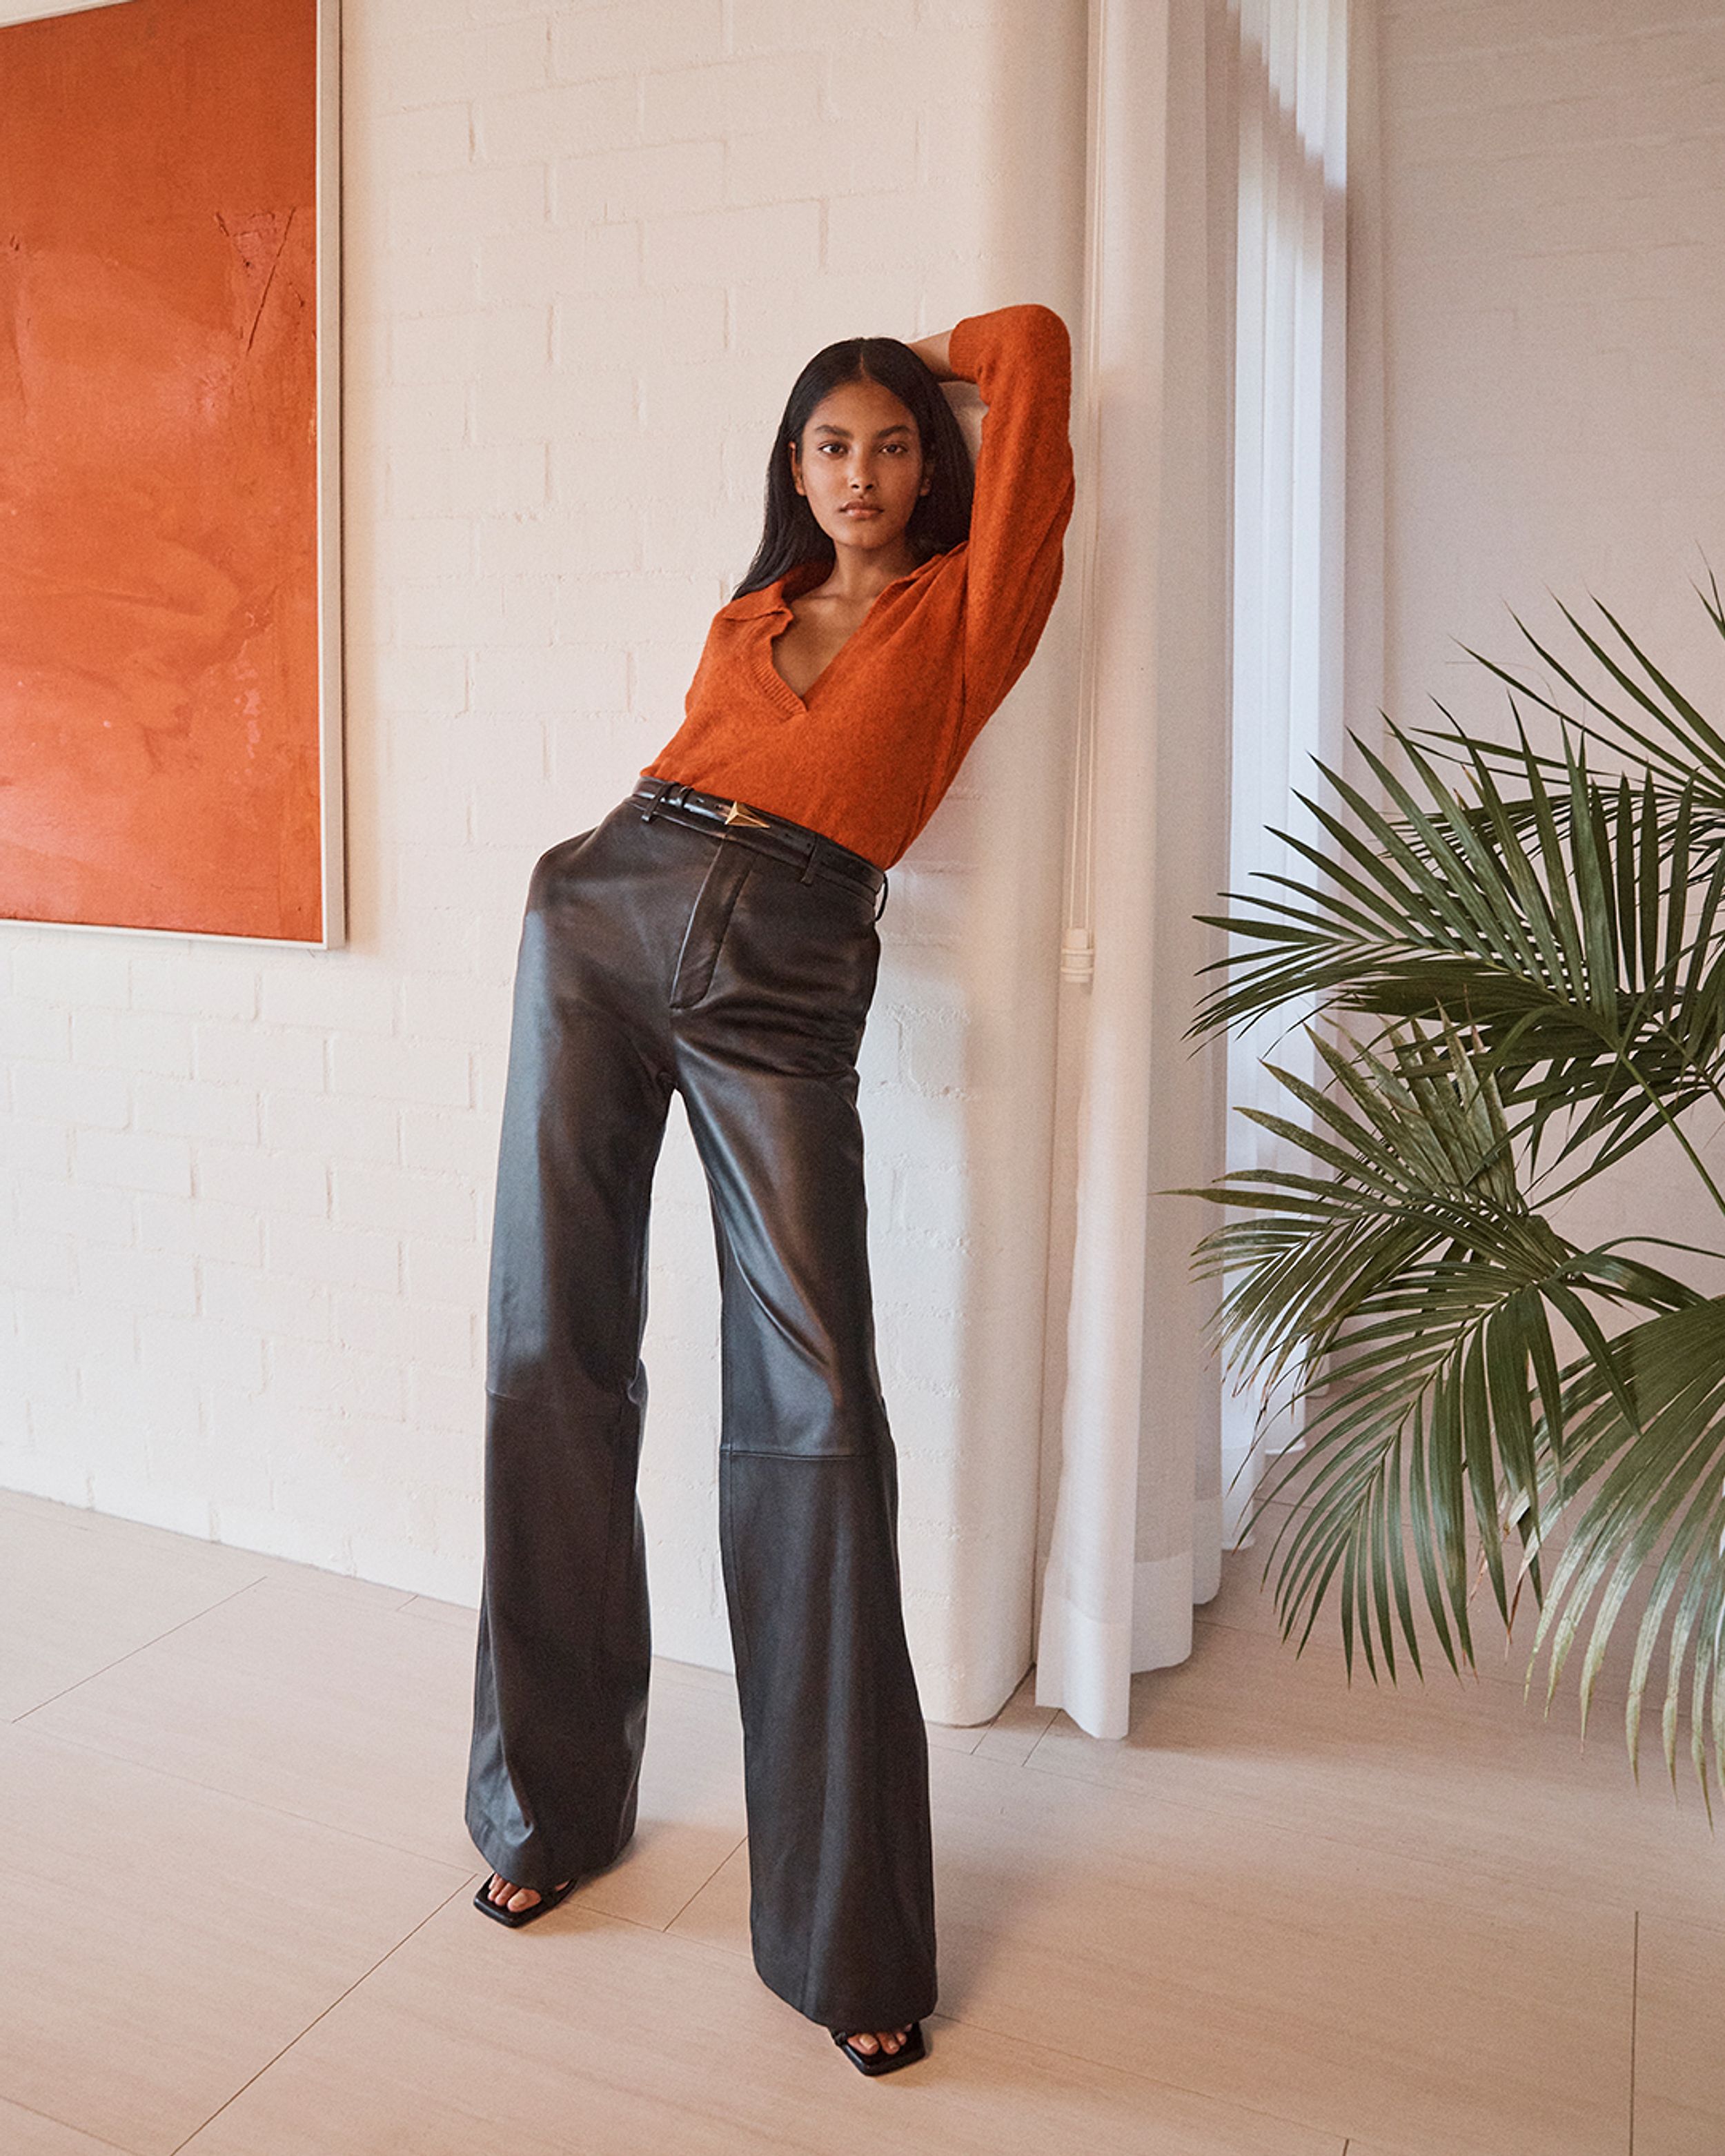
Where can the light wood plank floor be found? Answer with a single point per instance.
(1282, 1918)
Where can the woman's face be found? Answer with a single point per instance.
(861, 466)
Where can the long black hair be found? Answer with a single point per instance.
(941, 517)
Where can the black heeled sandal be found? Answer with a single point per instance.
(548, 1900)
(883, 2062)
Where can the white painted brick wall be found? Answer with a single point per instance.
(1555, 352)
(247, 1194)
(1555, 190)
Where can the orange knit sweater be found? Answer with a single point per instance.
(864, 757)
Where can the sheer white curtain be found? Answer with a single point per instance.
(1290, 510)
(1210, 439)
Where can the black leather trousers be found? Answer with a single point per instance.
(663, 949)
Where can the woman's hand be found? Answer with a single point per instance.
(931, 351)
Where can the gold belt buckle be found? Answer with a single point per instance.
(736, 814)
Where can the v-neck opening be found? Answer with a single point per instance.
(798, 698)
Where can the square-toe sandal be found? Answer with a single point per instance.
(549, 1897)
(883, 2062)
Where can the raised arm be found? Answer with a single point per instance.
(931, 351)
(1020, 359)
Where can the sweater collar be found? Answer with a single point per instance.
(775, 597)
(768, 599)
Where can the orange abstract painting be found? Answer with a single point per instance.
(161, 690)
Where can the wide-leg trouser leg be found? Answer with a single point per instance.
(836, 1759)
(656, 954)
(560, 1675)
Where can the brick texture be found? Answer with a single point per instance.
(247, 1191)
(1554, 199)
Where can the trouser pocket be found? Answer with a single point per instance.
(726, 874)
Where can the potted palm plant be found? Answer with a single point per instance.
(1517, 968)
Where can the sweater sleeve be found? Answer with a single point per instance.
(1020, 359)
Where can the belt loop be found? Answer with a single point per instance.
(653, 803)
(881, 907)
(808, 875)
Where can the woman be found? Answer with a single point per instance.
(716, 934)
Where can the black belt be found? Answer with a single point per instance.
(810, 851)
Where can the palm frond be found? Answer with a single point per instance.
(1538, 951)
(1650, 1460)
(1574, 931)
(1417, 1275)
(1667, 734)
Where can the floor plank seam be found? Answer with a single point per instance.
(1125, 1805)
(1018, 2040)
(1041, 1735)
(1591, 1896)
(232, 1796)
(1634, 2023)
(705, 1883)
(347, 1992)
(90, 1676)
(591, 1909)
(1477, 1672)
(35, 2111)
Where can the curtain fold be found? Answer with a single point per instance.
(1289, 553)
(1210, 461)
(1086, 1636)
